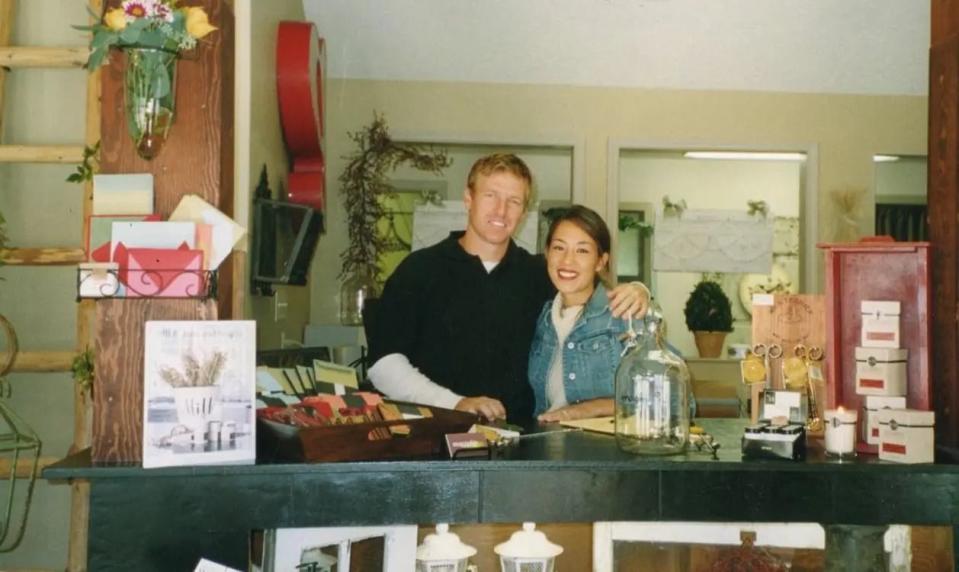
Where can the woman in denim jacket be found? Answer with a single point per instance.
(578, 343)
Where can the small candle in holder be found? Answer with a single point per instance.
(840, 431)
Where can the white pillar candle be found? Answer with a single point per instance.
(840, 431)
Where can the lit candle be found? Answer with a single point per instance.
(840, 431)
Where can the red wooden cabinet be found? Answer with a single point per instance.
(876, 271)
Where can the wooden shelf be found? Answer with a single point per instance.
(41, 153)
(42, 57)
(24, 465)
(41, 361)
(42, 256)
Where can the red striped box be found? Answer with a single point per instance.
(881, 371)
(880, 323)
(906, 435)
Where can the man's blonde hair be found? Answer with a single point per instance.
(501, 163)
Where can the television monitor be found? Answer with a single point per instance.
(284, 240)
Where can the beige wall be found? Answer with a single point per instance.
(646, 177)
(263, 140)
(902, 181)
(847, 130)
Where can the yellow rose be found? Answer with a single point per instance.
(197, 22)
(115, 19)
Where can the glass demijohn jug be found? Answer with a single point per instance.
(652, 394)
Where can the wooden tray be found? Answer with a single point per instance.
(280, 442)
(876, 271)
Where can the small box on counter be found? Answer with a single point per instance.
(880, 324)
(779, 442)
(881, 371)
(871, 405)
(791, 405)
(906, 435)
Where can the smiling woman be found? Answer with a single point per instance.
(577, 344)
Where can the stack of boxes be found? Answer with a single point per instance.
(902, 435)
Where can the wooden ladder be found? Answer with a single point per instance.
(12, 58)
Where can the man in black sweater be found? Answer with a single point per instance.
(455, 322)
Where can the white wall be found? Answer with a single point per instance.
(813, 46)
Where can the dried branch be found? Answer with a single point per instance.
(364, 182)
(191, 369)
(195, 374)
(173, 377)
(212, 369)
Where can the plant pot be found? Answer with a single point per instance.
(149, 92)
(196, 407)
(710, 344)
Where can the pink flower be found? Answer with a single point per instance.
(135, 9)
(163, 12)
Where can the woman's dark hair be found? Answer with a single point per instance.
(589, 222)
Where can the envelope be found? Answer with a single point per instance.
(336, 374)
(157, 235)
(101, 230)
(161, 273)
(225, 232)
(123, 194)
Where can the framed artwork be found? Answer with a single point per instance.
(199, 393)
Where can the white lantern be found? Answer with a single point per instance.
(528, 550)
(443, 552)
(312, 559)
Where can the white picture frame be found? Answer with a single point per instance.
(199, 393)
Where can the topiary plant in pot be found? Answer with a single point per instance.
(709, 317)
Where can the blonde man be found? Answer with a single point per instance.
(455, 322)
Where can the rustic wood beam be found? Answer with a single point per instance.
(42, 57)
(42, 256)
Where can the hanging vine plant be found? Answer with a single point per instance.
(364, 182)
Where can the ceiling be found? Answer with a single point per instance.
(810, 46)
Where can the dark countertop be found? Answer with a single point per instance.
(553, 448)
(560, 477)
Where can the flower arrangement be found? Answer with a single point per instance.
(153, 33)
(158, 24)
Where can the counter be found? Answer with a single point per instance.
(165, 519)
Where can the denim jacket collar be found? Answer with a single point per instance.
(598, 302)
(596, 306)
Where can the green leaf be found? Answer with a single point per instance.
(138, 25)
(130, 35)
(161, 81)
(96, 58)
(102, 40)
(152, 38)
(75, 178)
